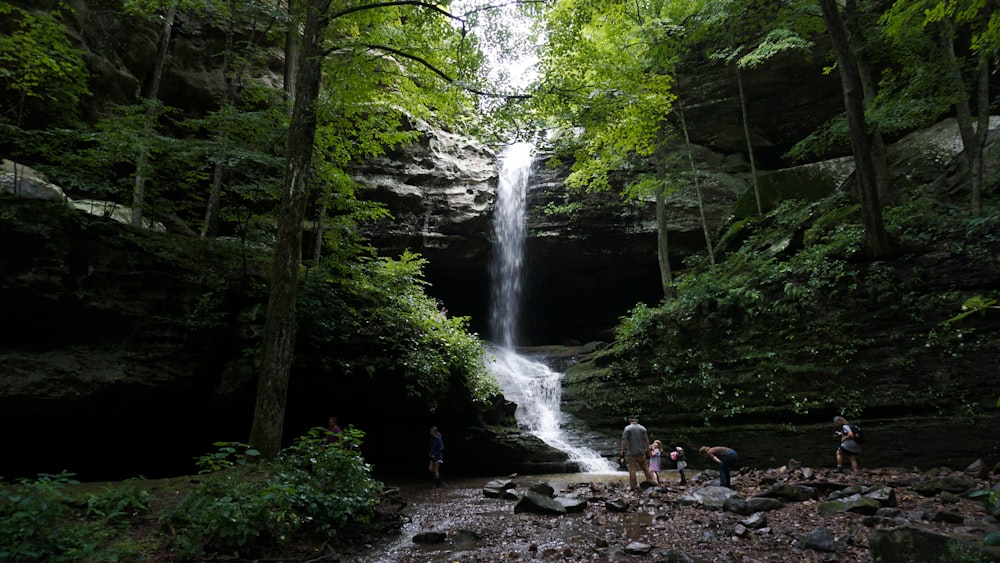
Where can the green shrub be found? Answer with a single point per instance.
(36, 522)
(311, 488)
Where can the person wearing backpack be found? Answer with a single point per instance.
(848, 444)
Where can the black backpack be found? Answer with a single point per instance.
(859, 436)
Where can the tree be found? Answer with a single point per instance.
(256, 19)
(279, 328)
(381, 58)
(877, 243)
(865, 51)
(753, 33)
(38, 63)
(979, 17)
(142, 166)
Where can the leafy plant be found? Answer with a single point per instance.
(36, 523)
(991, 502)
(311, 488)
(229, 454)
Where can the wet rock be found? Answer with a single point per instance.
(756, 521)
(912, 543)
(821, 539)
(465, 537)
(496, 487)
(711, 497)
(572, 503)
(538, 504)
(616, 505)
(543, 489)
(430, 536)
(638, 548)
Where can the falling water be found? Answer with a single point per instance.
(533, 386)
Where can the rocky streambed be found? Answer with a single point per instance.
(790, 513)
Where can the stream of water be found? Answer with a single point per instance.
(532, 385)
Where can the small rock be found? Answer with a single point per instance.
(977, 470)
(821, 539)
(638, 548)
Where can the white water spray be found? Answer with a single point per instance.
(533, 386)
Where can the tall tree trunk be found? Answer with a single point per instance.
(982, 128)
(209, 225)
(746, 135)
(142, 161)
(320, 228)
(662, 239)
(877, 243)
(880, 156)
(663, 246)
(292, 47)
(279, 328)
(697, 188)
(963, 113)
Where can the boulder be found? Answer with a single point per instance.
(904, 544)
(539, 504)
(22, 181)
(854, 503)
(573, 503)
(790, 492)
(711, 497)
(953, 483)
(821, 539)
(496, 487)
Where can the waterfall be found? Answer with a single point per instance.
(532, 386)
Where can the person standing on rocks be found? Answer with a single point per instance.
(635, 444)
(848, 445)
(725, 457)
(655, 460)
(436, 455)
(677, 456)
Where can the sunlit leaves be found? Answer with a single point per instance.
(37, 60)
(607, 68)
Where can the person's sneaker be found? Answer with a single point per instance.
(838, 470)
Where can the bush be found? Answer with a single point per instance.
(311, 488)
(36, 523)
